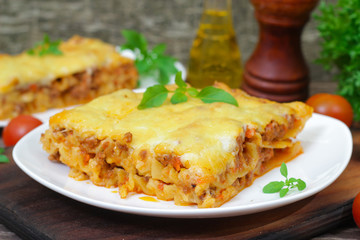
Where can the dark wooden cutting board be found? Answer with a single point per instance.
(35, 212)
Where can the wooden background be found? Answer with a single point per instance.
(174, 22)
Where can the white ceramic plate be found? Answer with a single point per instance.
(327, 145)
(146, 81)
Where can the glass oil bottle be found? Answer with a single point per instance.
(215, 55)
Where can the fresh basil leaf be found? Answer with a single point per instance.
(54, 49)
(159, 49)
(179, 81)
(135, 40)
(273, 187)
(301, 184)
(30, 52)
(283, 192)
(46, 39)
(143, 67)
(2, 150)
(292, 180)
(211, 94)
(167, 64)
(178, 97)
(164, 77)
(149, 62)
(283, 170)
(154, 96)
(291, 183)
(46, 47)
(207, 95)
(4, 159)
(129, 46)
(193, 92)
(180, 90)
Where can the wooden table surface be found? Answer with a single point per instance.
(134, 227)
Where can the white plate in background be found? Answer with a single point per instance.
(147, 81)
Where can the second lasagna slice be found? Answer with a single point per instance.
(192, 153)
(86, 69)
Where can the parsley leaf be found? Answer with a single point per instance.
(156, 95)
(338, 26)
(46, 47)
(283, 187)
(148, 62)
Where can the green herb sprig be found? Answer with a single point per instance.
(3, 158)
(156, 95)
(148, 62)
(46, 47)
(283, 187)
(338, 26)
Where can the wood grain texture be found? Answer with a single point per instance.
(35, 212)
(6, 234)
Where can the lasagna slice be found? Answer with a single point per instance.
(192, 152)
(86, 69)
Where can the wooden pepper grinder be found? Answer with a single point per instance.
(277, 69)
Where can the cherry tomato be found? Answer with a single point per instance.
(332, 105)
(18, 127)
(356, 210)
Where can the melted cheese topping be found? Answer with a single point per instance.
(203, 135)
(79, 54)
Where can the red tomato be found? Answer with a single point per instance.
(332, 105)
(356, 210)
(18, 127)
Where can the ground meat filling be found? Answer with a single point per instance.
(170, 159)
(55, 157)
(93, 148)
(275, 131)
(110, 156)
(73, 89)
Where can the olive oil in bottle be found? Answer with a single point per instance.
(215, 55)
